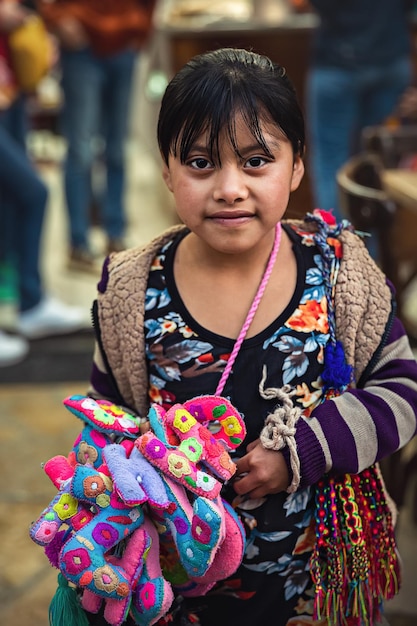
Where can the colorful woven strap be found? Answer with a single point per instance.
(354, 564)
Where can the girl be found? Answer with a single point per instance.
(293, 322)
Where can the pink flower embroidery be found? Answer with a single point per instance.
(76, 561)
(200, 530)
(147, 595)
(46, 532)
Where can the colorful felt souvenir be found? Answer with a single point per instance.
(117, 515)
(88, 447)
(230, 553)
(83, 557)
(131, 563)
(177, 465)
(184, 448)
(196, 529)
(211, 410)
(63, 508)
(199, 444)
(226, 560)
(134, 479)
(153, 595)
(104, 416)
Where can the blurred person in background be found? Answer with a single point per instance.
(361, 65)
(99, 43)
(407, 107)
(23, 199)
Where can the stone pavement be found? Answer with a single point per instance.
(34, 427)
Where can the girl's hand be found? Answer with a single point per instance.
(261, 472)
(145, 426)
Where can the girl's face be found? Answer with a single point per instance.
(232, 207)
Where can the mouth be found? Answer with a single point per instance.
(231, 217)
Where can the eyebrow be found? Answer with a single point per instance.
(258, 146)
(197, 147)
(242, 149)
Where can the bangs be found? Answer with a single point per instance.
(218, 119)
(212, 90)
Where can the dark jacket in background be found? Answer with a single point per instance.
(355, 33)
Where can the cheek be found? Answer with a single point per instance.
(186, 205)
(183, 194)
(280, 185)
(276, 195)
(187, 194)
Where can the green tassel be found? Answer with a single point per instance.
(65, 608)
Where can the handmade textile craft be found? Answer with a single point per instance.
(138, 517)
(355, 565)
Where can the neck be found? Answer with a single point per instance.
(201, 256)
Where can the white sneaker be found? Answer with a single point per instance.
(13, 349)
(51, 317)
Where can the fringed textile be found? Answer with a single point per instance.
(354, 565)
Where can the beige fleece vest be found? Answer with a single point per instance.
(362, 304)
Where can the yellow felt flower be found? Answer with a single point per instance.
(183, 420)
(66, 506)
(231, 426)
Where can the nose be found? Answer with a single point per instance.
(230, 185)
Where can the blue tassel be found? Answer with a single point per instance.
(337, 374)
(65, 608)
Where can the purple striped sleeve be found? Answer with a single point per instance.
(353, 431)
(101, 384)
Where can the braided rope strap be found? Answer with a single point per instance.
(279, 429)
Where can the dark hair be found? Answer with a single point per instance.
(211, 88)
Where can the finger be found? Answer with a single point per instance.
(243, 484)
(144, 427)
(242, 466)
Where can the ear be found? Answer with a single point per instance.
(297, 173)
(166, 175)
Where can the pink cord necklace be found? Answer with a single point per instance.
(252, 310)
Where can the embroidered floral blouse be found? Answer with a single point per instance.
(185, 360)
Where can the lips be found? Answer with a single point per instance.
(231, 215)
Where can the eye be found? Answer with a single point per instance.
(255, 162)
(199, 163)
